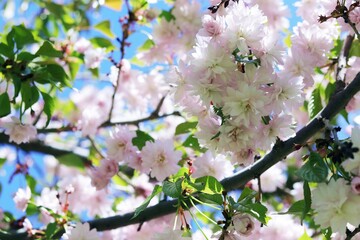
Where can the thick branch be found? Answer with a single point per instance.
(278, 153)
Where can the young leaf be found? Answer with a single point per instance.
(141, 139)
(2, 161)
(314, 170)
(247, 195)
(25, 56)
(315, 104)
(167, 15)
(31, 182)
(193, 142)
(142, 207)
(49, 106)
(173, 189)
(185, 127)
(305, 236)
(102, 43)
(22, 36)
(71, 160)
(114, 4)
(29, 94)
(307, 200)
(58, 74)
(105, 28)
(50, 230)
(296, 208)
(147, 45)
(211, 185)
(258, 211)
(355, 49)
(48, 50)
(211, 198)
(6, 51)
(5, 108)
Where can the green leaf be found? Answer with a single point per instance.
(315, 104)
(193, 142)
(5, 108)
(138, 4)
(58, 74)
(335, 51)
(185, 127)
(211, 198)
(258, 211)
(95, 72)
(142, 207)
(314, 170)
(6, 51)
(211, 185)
(25, 56)
(167, 15)
(71, 160)
(296, 208)
(329, 90)
(21, 36)
(141, 139)
(173, 189)
(102, 43)
(48, 50)
(119, 181)
(247, 195)
(2, 161)
(114, 4)
(305, 236)
(74, 69)
(31, 182)
(29, 94)
(307, 200)
(355, 49)
(105, 28)
(147, 45)
(32, 209)
(49, 106)
(50, 230)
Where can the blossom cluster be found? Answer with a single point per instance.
(229, 81)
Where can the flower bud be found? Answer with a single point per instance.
(355, 185)
(243, 224)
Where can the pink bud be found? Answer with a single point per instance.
(355, 185)
(243, 224)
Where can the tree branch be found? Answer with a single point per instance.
(279, 152)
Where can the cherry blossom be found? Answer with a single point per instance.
(19, 132)
(21, 198)
(160, 158)
(81, 232)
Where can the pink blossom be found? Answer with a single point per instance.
(355, 185)
(81, 45)
(81, 232)
(21, 198)
(212, 27)
(119, 144)
(272, 179)
(18, 132)
(160, 158)
(93, 57)
(98, 179)
(209, 165)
